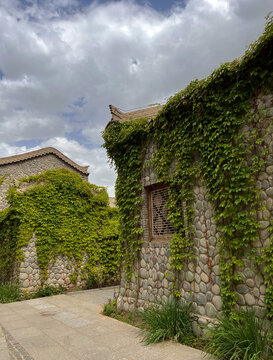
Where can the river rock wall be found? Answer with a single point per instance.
(61, 271)
(199, 281)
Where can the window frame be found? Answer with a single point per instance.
(152, 236)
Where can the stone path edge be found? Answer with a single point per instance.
(14, 350)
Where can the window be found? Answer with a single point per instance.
(160, 228)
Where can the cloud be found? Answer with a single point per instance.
(62, 64)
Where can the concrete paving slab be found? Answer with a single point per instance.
(64, 315)
(44, 306)
(58, 331)
(17, 324)
(76, 323)
(44, 324)
(26, 332)
(4, 354)
(26, 313)
(5, 311)
(14, 349)
(101, 329)
(71, 327)
(44, 348)
(6, 319)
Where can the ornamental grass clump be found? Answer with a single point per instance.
(170, 320)
(244, 338)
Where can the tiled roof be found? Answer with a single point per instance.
(42, 152)
(118, 115)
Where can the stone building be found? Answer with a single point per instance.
(199, 281)
(15, 167)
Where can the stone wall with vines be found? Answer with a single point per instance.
(58, 230)
(199, 282)
(9, 173)
(213, 146)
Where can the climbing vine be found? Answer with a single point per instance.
(125, 145)
(2, 179)
(68, 216)
(200, 129)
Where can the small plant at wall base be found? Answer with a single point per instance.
(109, 308)
(200, 129)
(245, 338)
(9, 293)
(168, 321)
(47, 290)
(68, 215)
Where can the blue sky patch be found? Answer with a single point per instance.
(80, 138)
(80, 102)
(159, 5)
(29, 143)
(69, 115)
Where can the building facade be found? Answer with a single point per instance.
(13, 168)
(199, 282)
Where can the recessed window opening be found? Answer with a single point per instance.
(160, 227)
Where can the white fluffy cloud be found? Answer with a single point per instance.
(64, 64)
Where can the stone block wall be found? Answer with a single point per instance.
(28, 167)
(59, 271)
(199, 281)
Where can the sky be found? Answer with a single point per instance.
(62, 62)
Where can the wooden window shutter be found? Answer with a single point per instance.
(160, 227)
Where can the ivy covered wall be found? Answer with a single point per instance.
(213, 141)
(33, 163)
(57, 223)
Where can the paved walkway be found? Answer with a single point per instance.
(71, 327)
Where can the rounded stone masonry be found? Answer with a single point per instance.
(59, 272)
(199, 281)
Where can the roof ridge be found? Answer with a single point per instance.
(44, 151)
(148, 112)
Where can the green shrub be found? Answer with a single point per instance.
(47, 290)
(169, 320)
(109, 308)
(95, 277)
(9, 293)
(244, 338)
